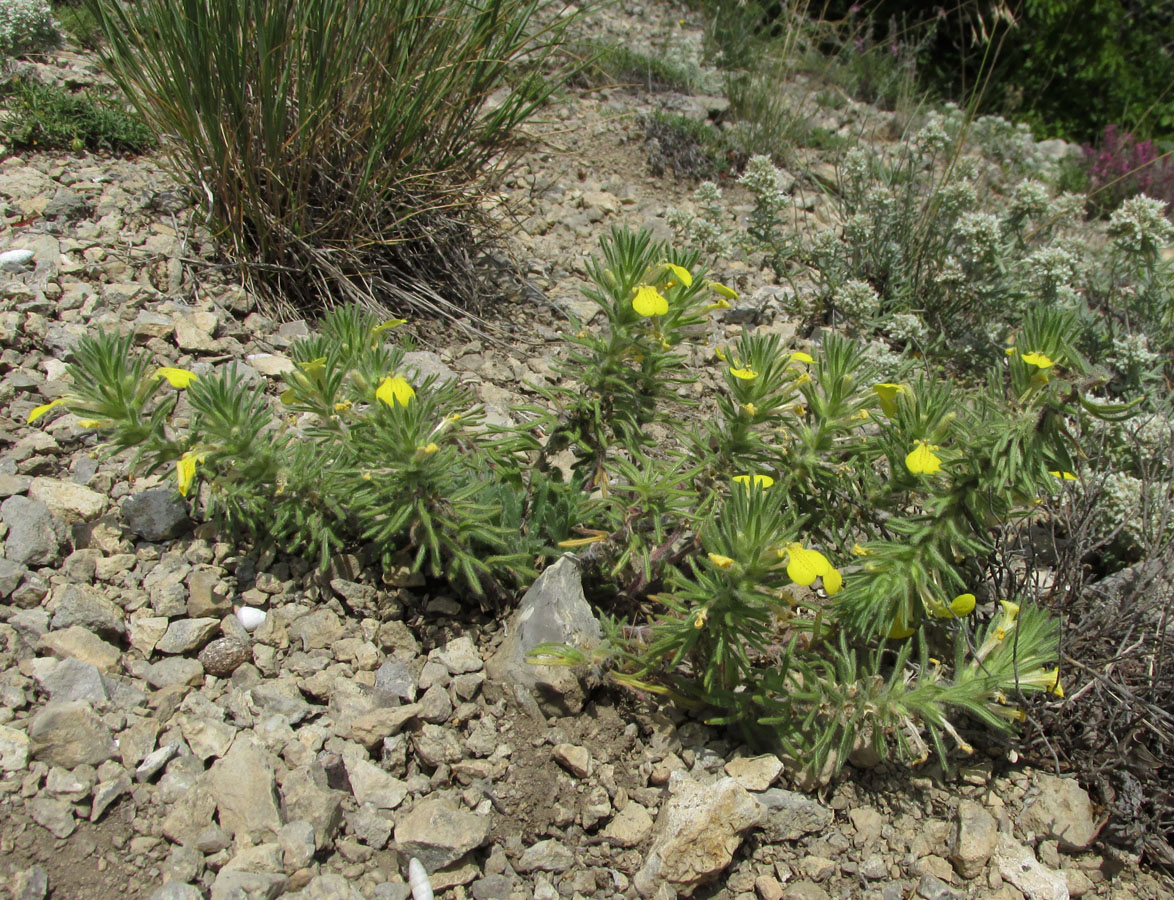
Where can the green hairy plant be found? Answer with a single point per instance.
(46, 117)
(343, 147)
(811, 556)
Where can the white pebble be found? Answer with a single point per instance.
(250, 618)
(14, 259)
(418, 881)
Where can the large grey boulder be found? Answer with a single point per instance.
(555, 611)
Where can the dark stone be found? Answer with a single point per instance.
(156, 515)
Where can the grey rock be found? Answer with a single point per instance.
(330, 887)
(11, 575)
(106, 793)
(243, 785)
(391, 890)
(81, 644)
(71, 679)
(553, 610)
(56, 816)
(629, 827)
(1018, 865)
(14, 749)
(492, 887)
(1062, 811)
(177, 890)
(372, 785)
(206, 736)
(397, 679)
(975, 836)
(32, 538)
(67, 501)
(459, 656)
(307, 796)
(189, 815)
(546, 856)
(428, 364)
(30, 884)
(298, 847)
(697, 832)
(224, 656)
(70, 734)
(933, 888)
(79, 604)
(175, 670)
(435, 705)
(234, 885)
(317, 630)
(437, 832)
(66, 204)
(186, 635)
(789, 815)
(370, 826)
(156, 515)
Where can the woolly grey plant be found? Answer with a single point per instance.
(25, 25)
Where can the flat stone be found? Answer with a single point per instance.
(156, 515)
(14, 749)
(371, 728)
(208, 738)
(233, 885)
(106, 793)
(81, 644)
(56, 816)
(372, 785)
(1062, 812)
(789, 815)
(187, 635)
(177, 890)
(68, 501)
(545, 856)
(70, 734)
(397, 679)
(438, 833)
(1018, 865)
(30, 884)
(459, 656)
(32, 538)
(317, 630)
(155, 760)
(146, 632)
(71, 679)
(576, 760)
(974, 838)
(755, 773)
(629, 827)
(244, 788)
(175, 670)
(306, 796)
(79, 604)
(11, 575)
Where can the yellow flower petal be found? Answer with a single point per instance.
(832, 582)
(39, 411)
(1037, 359)
(721, 304)
(702, 615)
(185, 470)
(649, 302)
(681, 274)
(720, 353)
(804, 566)
(395, 389)
(759, 481)
(800, 356)
(859, 550)
(177, 378)
(751, 409)
(722, 291)
(722, 562)
(315, 367)
(922, 460)
(744, 374)
(1064, 476)
(386, 326)
(429, 448)
(888, 394)
(962, 605)
(90, 423)
(899, 630)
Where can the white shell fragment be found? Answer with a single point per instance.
(14, 259)
(250, 618)
(418, 881)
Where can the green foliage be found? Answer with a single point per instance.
(25, 26)
(47, 117)
(343, 144)
(690, 148)
(79, 22)
(616, 64)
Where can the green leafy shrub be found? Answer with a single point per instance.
(47, 117)
(344, 145)
(688, 147)
(79, 22)
(25, 25)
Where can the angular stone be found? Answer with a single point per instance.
(187, 635)
(371, 728)
(243, 786)
(146, 632)
(1018, 865)
(69, 735)
(317, 630)
(14, 749)
(78, 604)
(576, 760)
(438, 833)
(755, 773)
(629, 827)
(1061, 812)
(788, 815)
(156, 515)
(697, 832)
(459, 656)
(207, 737)
(233, 885)
(56, 816)
(975, 836)
(177, 890)
(189, 815)
(30, 884)
(155, 760)
(306, 796)
(370, 826)
(397, 679)
(81, 644)
(372, 785)
(554, 610)
(32, 539)
(11, 575)
(68, 501)
(545, 856)
(106, 793)
(175, 670)
(71, 679)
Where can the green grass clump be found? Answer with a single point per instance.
(616, 64)
(47, 117)
(690, 148)
(344, 145)
(79, 22)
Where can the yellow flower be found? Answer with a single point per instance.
(702, 615)
(722, 291)
(888, 394)
(962, 605)
(1064, 476)
(720, 353)
(680, 273)
(799, 409)
(803, 565)
(760, 481)
(899, 629)
(859, 550)
(744, 374)
(833, 581)
(185, 470)
(649, 302)
(1043, 679)
(800, 356)
(90, 423)
(177, 378)
(922, 460)
(41, 410)
(722, 562)
(315, 368)
(751, 409)
(429, 448)
(721, 304)
(343, 406)
(1037, 359)
(389, 324)
(395, 389)
(861, 415)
